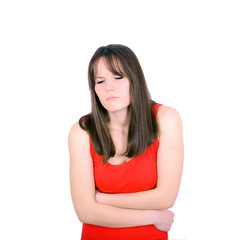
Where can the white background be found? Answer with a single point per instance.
(193, 58)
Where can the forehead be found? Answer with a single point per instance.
(108, 63)
(101, 66)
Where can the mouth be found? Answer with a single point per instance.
(111, 98)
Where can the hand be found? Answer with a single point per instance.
(98, 196)
(165, 219)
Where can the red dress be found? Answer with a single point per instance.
(138, 174)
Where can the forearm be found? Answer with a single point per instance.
(150, 199)
(114, 217)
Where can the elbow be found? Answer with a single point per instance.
(82, 219)
(171, 204)
(165, 205)
(170, 201)
(166, 202)
(85, 217)
(85, 213)
(82, 216)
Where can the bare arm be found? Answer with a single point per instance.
(83, 191)
(169, 165)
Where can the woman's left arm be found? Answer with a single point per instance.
(169, 168)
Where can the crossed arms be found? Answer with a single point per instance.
(129, 209)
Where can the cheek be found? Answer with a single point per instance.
(127, 89)
(97, 91)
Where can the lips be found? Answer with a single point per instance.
(112, 98)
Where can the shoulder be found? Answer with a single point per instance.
(168, 119)
(78, 136)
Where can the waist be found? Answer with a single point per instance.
(92, 232)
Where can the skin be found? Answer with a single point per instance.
(132, 209)
(169, 167)
(117, 87)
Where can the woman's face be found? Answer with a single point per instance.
(112, 90)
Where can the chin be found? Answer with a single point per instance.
(117, 108)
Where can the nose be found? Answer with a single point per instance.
(109, 85)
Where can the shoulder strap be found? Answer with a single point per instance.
(92, 151)
(155, 108)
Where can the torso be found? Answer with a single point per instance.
(119, 138)
(120, 142)
(123, 175)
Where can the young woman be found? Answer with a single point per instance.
(126, 156)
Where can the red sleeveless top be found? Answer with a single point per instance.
(138, 174)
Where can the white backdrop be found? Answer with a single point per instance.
(193, 58)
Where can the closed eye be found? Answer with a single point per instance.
(99, 82)
(120, 77)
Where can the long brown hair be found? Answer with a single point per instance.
(143, 130)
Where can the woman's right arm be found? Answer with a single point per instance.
(83, 192)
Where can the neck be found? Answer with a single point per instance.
(119, 120)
